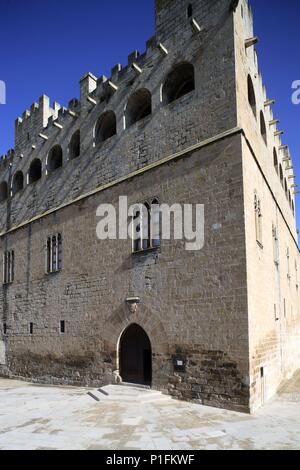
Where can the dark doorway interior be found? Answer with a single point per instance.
(135, 356)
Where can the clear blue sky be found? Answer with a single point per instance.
(47, 45)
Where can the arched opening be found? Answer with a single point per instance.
(275, 159)
(3, 191)
(138, 107)
(35, 171)
(179, 82)
(263, 128)
(135, 356)
(18, 182)
(285, 187)
(190, 10)
(106, 127)
(55, 158)
(281, 174)
(251, 95)
(75, 145)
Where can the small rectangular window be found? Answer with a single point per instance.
(62, 327)
(31, 328)
(4, 329)
(8, 267)
(54, 254)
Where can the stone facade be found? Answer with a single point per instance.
(228, 311)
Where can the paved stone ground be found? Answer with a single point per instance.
(40, 417)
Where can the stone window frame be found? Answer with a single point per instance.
(8, 267)
(62, 327)
(54, 249)
(151, 243)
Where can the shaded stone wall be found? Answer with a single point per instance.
(192, 302)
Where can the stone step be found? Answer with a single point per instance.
(127, 394)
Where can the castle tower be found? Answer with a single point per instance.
(187, 121)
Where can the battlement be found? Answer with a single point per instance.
(195, 16)
(6, 158)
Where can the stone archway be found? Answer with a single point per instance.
(149, 321)
(135, 356)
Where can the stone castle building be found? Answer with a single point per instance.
(187, 121)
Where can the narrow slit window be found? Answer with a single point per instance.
(62, 327)
(258, 219)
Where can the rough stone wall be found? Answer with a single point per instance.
(273, 337)
(192, 303)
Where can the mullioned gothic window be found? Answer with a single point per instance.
(54, 254)
(8, 267)
(146, 226)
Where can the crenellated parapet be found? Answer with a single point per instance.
(6, 160)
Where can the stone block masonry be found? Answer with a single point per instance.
(178, 125)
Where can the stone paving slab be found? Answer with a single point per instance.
(42, 417)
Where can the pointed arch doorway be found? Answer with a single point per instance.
(135, 356)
